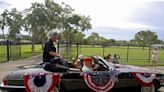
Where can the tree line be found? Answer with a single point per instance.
(141, 38)
(41, 18)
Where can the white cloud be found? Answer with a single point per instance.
(104, 13)
(113, 13)
(22, 4)
(110, 13)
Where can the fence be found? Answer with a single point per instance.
(127, 53)
(10, 50)
(13, 51)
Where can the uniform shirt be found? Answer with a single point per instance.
(49, 46)
(86, 69)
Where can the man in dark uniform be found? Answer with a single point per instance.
(50, 49)
(52, 60)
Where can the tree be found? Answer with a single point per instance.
(133, 42)
(14, 23)
(3, 21)
(37, 22)
(78, 37)
(146, 38)
(103, 41)
(41, 19)
(70, 22)
(93, 39)
(53, 13)
(112, 42)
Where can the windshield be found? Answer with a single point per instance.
(101, 61)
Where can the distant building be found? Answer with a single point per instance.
(4, 42)
(157, 46)
(26, 42)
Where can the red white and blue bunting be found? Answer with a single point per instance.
(40, 82)
(144, 80)
(99, 83)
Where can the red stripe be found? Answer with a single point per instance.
(55, 79)
(98, 88)
(90, 86)
(141, 82)
(26, 78)
(101, 86)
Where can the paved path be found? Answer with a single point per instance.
(8, 66)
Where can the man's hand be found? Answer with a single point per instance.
(61, 58)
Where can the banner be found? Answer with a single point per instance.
(40, 82)
(144, 79)
(99, 83)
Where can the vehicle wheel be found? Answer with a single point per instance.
(149, 88)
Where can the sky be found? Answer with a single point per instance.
(112, 19)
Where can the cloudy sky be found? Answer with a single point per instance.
(114, 19)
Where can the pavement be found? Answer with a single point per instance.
(8, 66)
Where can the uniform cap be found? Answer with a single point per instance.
(87, 59)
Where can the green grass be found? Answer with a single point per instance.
(136, 55)
(15, 52)
(26, 50)
(3, 53)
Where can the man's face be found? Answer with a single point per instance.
(54, 38)
(89, 64)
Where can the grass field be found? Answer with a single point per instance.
(3, 53)
(17, 53)
(26, 50)
(132, 56)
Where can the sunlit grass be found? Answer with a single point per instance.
(132, 56)
(17, 53)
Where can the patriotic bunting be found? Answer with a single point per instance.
(143, 79)
(99, 83)
(40, 82)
